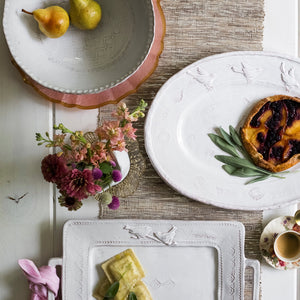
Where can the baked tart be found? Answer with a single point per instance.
(271, 133)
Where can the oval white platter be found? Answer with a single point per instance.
(81, 62)
(214, 92)
(181, 259)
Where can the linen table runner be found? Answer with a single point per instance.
(194, 30)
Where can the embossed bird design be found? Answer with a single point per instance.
(288, 77)
(203, 77)
(248, 71)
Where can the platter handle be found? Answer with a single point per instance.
(255, 265)
(55, 261)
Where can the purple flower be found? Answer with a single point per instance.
(115, 203)
(54, 168)
(97, 173)
(113, 163)
(116, 175)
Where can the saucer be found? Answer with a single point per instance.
(268, 236)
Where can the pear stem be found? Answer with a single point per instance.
(27, 12)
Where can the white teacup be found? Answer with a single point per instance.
(287, 246)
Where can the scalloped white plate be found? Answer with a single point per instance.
(182, 259)
(218, 91)
(81, 62)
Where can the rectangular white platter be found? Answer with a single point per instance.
(182, 259)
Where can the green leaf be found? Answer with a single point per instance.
(239, 162)
(223, 145)
(235, 136)
(226, 137)
(132, 296)
(106, 167)
(257, 179)
(229, 169)
(246, 172)
(112, 291)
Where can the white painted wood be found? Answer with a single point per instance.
(26, 226)
(280, 35)
(74, 119)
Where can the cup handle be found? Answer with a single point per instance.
(255, 265)
(53, 262)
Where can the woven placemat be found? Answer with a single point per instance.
(194, 29)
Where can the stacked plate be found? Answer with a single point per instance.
(87, 69)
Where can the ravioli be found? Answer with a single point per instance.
(124, 266)
(101, 288)
(127, 269)
(141, 291)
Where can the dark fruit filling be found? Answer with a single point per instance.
(277, 130)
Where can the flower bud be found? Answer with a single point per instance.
(106, 198)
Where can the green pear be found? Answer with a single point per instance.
(53, 21)
(85, 14)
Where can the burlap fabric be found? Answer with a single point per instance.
(194, 29)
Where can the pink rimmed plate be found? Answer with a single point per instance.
(118, 92)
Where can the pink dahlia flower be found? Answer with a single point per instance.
(79, 184)
(54, 168)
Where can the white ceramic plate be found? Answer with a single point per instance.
(81, 62)
(182, 260)
(213, 92)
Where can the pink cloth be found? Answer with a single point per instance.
(40, 279)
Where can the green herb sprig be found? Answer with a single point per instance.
(113, 290)
(238, 163)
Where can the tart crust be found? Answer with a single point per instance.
(254, 145)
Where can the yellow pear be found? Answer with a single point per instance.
(85, 14)
(53, 21)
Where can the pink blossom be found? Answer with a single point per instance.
(119, 145)
(54, 168)
(122, 112)
(59, 139)
(79, 184)
(129, 131)
(281, 263)
(79, 154)
(111, 130)
(99, 153)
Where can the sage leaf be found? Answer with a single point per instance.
(235, 136)
(112, 291)
(226, 137)
(260, 178)
(223, 145)
(235, 161)
(132, 296)
(229, 169)
(239, 162)
(246, 172)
